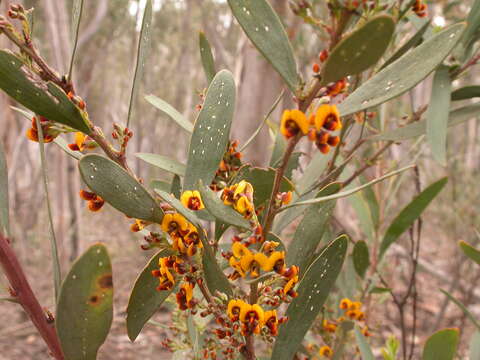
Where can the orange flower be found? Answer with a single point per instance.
(288, 288)
(192, 200)
(276, 262)
(95, 202)
(185, 296)
(293, 122)
(271, 322)
(328, 118)
(345, 304)
(329, 326)
(233, 309)
(325, 351)
(174, 224)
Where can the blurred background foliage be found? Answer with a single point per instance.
(103, 75)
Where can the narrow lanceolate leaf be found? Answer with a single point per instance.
(168, 109)
(212, 130)
(163, 162)
(50, 102)
(215, 206)
(313, 291)
(463, 308)
(365, 349)
(412, 42)
(207, 57)
(404, 73)
(117, 187)
(76, 17)
(410, 214)
(145, 299)
(361, 258)
(176, 186)
(142, 52)
(85, 305)
(470, 251)
(474, 348)
(442, 345)
(310, 231)
(359, 50)
(418, 128)
(262, 182)
(471, 32)
(264, 28)
(215, 278)
(437, 114)
(4, 217)
(466, 92)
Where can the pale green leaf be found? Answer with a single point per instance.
(206, 55)
(365, 349)
(442, 345)
(168, 109)
(163, 162)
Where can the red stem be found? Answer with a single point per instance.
(25, 296)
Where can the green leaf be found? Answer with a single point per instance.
(163, 162)
(168, 109)
(365, 349)
(418, 128)
(145, 299)
(463, 308)
(64, 146)
(379, 290)
(176, 187)
(51, 103)
(313, 291)
(264, 28)
(410, 214)
(215, 206)
(437, 114)
(442, 345)
(310, 230)
(361, 258)
(414, 41)
(85, 305)
(474, 349)
(77, 11)
(279, 146)
(470, 251)
(262, 182)
(359, 50)
(293, 164)
(117, 187)
(193, 336)
(206, 55)
(471, 32)
(404, 73)
(4, 206)
(212, 130)
(466, 92)
(142, 52)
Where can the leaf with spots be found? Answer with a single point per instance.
(145, 299)
(313, 291)
(442, 345)
(404, 73)
(85, 305)
(206, 55)
(4, 206)
(211, 132)
(117, 187)
(264, 28)
(48, 101)
(163, 162)
(359, 50)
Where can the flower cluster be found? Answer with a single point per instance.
(192, 200)
(240, 196)
(184, 235)
(95, 202)
(420, 8)
(49, 133)
(228, 167)
(318, 127)
(82, 142)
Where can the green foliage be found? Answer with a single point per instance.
(365, 349)
(470, 251)
(4, 206)
(264, 28)
(437, 114)
(207, 57)
(168, 109)
(463, 308)
(85, 305)
(163, 162)
(77, 10)
(404, 73)
(360, 50)
(474, 350)
(117, 187)
(50, 102)
(361, 258)
(410, 214)
(442, 345)
(145, 299)
(212, 130)
(466, 92)
(312, 294)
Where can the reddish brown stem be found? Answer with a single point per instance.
(26, 298)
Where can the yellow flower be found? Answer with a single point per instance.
(355, 315)
(174, 223)
(239, 250)
(178, 244)
(355, 305)
(293, 122)
(185, 296)
(237, 266)
(329, 326)
(250, 313)
(243, 188)
(328, 117)
(244, 207)
(326, 351)
(276, 262)
(271, 321)
(345, 304)
(192, 200)
(290, 284)
(139, 225)
(233, 309)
